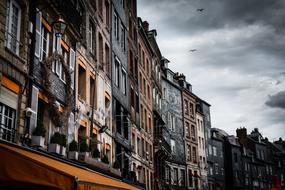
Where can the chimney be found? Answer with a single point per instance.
(145, 26)
(242, 135)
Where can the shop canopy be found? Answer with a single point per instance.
(24, 168)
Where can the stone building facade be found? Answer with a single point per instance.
(145, 70)
(175, 166)
(46, 45)
(14, 62)
(190, 114)
(202, 160)
(120, 85)
(93, 83)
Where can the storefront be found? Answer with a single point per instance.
(23, 168)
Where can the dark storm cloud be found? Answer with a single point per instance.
(240, 57)
(276, 100)
(218, 13)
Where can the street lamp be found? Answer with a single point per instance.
(59, 26)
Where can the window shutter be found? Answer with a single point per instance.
(38, 34)
(34, 107)
(71, 128)
(72, 65)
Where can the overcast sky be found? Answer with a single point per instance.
(239, 65)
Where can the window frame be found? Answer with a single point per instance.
(8, 29)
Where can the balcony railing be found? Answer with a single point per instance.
(7, 134)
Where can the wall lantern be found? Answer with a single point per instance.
(59, 26)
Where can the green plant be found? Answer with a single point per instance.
(105, 159)
(83, 146)
(63, 140)
(40, 130)
(73, 146)
(116, 165)
(56, 138)
(96, 153)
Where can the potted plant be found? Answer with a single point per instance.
(38, 137)
(63, 144)
(96, 154)
(83, 149)
(105, 159)
(73, 150)
(55, 143)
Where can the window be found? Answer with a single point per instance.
(167, 174)
(172, 143)
(214, 151)
(190, 178)
(188, 152)
(123, 37)
(187, 128)
(175, 176)
(186, 107)
(117, 72)
(194, 155)
(210, 149)
(13, 24)
(42, 37)
(116, 26)
(7, 123)
(172, 122)
(193, 133)
(92, 95)
(216, 168)
(107, 16)
(124, 81)
(182, 178)
(211, 170)
(92, 37)
(82, 83)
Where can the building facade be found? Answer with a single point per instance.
(14, 61)
(93, 83)
(191, 133)
(146, 116)
(120, 85)
(216, 157)
(52, 86)
(175, 168)
(202, 159)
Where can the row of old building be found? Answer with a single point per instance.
(245, 161)
(88, 76)
(103, 86)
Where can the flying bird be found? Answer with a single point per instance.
(192, 50)
(201, 10)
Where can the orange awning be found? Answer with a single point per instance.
(19, 165)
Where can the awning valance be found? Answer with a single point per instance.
(19, 165)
